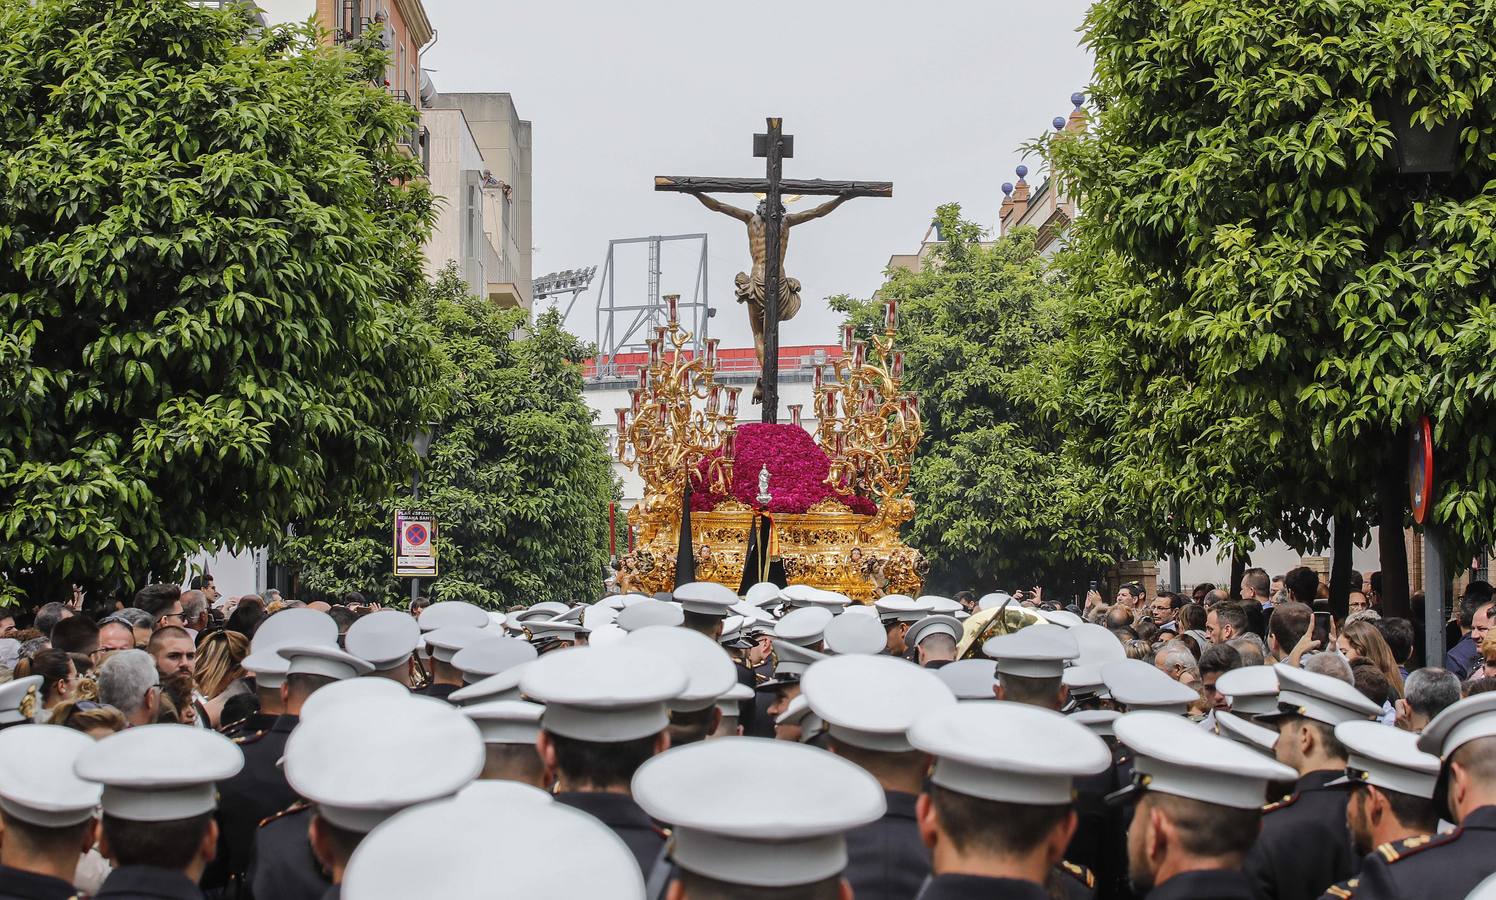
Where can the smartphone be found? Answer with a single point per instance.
(1322, 624)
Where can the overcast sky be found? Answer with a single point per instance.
(935, 96)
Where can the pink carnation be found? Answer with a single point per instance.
(797, 472)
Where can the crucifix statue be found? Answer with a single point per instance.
(772, 296)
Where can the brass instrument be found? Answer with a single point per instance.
(989, 623)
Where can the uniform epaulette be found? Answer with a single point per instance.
(249, 738)
(296, 807)
(1345, 890)
(1396, 850)
(1281, 804)
(1079, 873)
(225, 729)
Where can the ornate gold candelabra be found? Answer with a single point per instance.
(679, 416)
(868, 426)
(663, 433)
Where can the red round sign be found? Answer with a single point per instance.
(1421, 469)
(415, 534)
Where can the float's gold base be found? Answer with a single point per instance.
(830, 547)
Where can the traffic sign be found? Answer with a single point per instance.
(415, 544)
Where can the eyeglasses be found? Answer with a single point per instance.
(176, 615)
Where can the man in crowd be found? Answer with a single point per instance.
(173, 650)
(129, 682)
(1426, 693)
(158, 801)
(194, 612)
(605, 714)
(1131, 596)
(996, 812)
(1304, 846)
(1475, 620)
(1286, 627)
(1199, 807)
(1217, 660)
(115, 636)
(1224, 622)
(47, 812)
(1463, 737)
(1256, 588)
(163, 602)
(1165, 607)
(1391, 809)
(49, 615)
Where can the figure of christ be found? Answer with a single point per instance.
(749, 286)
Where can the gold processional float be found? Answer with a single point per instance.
(681, 424)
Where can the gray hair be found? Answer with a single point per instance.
(1364, 615)
(131, 616)
(1253, 651)
(271, 595)
(1429, 690)
(125, 678)
(1177, 653)
(193, 604)
(1331, 664)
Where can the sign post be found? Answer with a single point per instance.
(415, 547)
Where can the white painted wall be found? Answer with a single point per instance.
(287, 12)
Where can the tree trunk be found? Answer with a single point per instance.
(1341, 547)
(1239, 563)
(1392, 499)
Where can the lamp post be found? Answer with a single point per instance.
(420, 442)
(1421, 151)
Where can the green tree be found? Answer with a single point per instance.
(1289, 304)
(999, 500)
(208, 245)
(517, 475)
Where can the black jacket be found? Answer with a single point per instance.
(257, 792)
(886, 859)
(18, 884)
(972, 887)
(1305, 846)
(1215, 884)
(284, 867)
(148, 883)
(1436, 866)
(619, 812)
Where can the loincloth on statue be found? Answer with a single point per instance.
(750, 290)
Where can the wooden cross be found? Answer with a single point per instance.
(775, 147)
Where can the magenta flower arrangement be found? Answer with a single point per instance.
(797, 472)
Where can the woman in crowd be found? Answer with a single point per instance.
(1362, 640)
(220, 675)
(59, 679)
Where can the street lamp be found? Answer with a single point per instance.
(420, 442)
(1418, 148)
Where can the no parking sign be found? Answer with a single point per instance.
(415, 544)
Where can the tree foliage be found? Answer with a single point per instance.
(517, 476)
(998, 498)
(208, 245)
(1257, 294)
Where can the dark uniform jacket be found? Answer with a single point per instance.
(441, 691)
(1305, 846)
(1215, 884)
(973, 887)
(619, 812)
(18, 884)
(886, 859)
(259, 791)
(148, 883)
(254, 723)
(284, 867)
(1434, 866)
(1100, 841)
